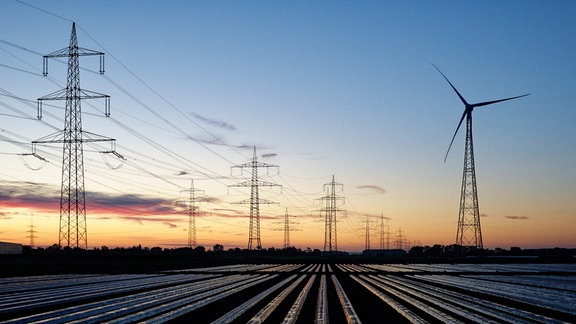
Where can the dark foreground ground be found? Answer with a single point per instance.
(258, 290)
(84, 263)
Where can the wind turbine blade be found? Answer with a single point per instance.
(453, 137)
(496, 101)
(458, 93)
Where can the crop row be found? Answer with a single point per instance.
(323, 293)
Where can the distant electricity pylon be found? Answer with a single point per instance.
(288, 229)
(254, 241)
(31, 234)
(384, 234)
(469, 233)
(401, 243)
(73, 197)
(330, 212)
(192, 213)
(367, 243)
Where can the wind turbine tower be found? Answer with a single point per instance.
(469, 234)
(72, 232)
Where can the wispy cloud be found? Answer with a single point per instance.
(44, 198)
(269, 155)
(209, 199)
(517, 217)
(170, 222)
(373, 188)
(221, 141)
(237, 215)
(214, 122)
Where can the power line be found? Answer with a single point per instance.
(254, 240)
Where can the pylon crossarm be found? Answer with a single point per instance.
(93, 137)
(260, 202)
(258, 183)
(87, 94)
(56, 95)
(65, 52)
(57, 137)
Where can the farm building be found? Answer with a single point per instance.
(10, 248)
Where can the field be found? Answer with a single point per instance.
(304, 293)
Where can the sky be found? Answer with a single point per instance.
(322, 89)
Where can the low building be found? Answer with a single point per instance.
(10, 248)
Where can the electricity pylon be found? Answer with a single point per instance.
(384, 234)
(73, 197)
(330, 213)
(400, 240)
(192, 213)
(254, 241)
(286, 230)
(31, 234)
(367, 243)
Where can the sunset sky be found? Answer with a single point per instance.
(321, 89)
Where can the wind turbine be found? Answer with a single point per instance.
(469, 234)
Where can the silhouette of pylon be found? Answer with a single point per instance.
(254, 240)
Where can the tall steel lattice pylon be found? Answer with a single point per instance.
(73, 232)
(286, 230)
(469, 234)
(192, 212)
(330, 212)
(367, 243)
(31, 233)
(254, 240)
(384, 234)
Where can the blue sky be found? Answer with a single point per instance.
(322, 88)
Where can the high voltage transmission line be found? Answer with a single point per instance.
(296, 194)
(254, 240)
(192, 212)
(72, 230)
(330, 215)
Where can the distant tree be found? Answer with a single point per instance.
(416, 251)
(218, 248)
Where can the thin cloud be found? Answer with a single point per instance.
(517, 217)
(269, 155)
(208, 199)
(168, 221)
(240, 215)
(376, 189)
(214, 122)
(44, 198)
(220, 141)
